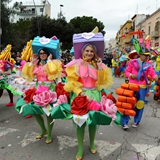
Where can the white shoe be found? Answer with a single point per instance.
(125, 126)
(134, 125)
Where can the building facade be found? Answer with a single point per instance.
(123, 38)
(151, 26)
(28, 10)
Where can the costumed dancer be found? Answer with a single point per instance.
(114, 64)
(123, 62)
(86, 77)
(132, 55)
(6, 70)
(19, 84)
(138, 71)
(155, 85)
(37, 101)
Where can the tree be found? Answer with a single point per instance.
(20, 32)
(6, 12)
(4, 19)
(44, 26)
(86, 24)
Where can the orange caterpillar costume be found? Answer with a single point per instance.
(126, 99)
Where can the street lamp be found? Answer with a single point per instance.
(61, 10)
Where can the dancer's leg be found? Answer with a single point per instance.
(10, 95)
(80, 138)
(50, 126)
(40, 121)
(92, 133)
(1, 92)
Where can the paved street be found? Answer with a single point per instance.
(17, 137)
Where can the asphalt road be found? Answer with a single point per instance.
(17, 137)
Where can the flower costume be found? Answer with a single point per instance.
(84, 77)
(7, 70)
(39, 99)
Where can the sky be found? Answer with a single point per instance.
(112, 13)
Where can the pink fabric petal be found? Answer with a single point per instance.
(42, 88)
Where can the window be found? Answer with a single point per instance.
(41, 9)
(157, 26)
(149, 29)
(33, 10)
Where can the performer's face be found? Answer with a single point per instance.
(144, 57)
(88, 53)
(43, 55)
(136, 56)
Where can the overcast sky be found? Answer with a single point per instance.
(112, 13)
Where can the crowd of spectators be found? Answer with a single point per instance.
(107, 60)
(65, 57)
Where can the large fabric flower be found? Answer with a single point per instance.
(62, 99)
(60, 90)
(108, 107)
(45, 98)
(28, 94)
(80, 105)
(109, 96)
(41, 89)
(94, 106)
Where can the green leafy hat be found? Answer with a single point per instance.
(140, 48)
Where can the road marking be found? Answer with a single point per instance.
(4, 131)
(65, 142)
(30, 137)
(149, 151)
(104, 148)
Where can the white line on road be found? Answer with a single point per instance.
(150, 151)
(4, 131)
(104, 148)
(30, 137)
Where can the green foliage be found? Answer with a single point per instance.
(44, 26)
(22, 31)
(4, 18)
(86, 24)
(6, 12)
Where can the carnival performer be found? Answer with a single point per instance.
(86, 77)
(46, 70)
(138, 70)
(114, 65)
(6, 70)
(133, 55)
(123, 62)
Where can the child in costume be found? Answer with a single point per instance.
(86, 77)
(138, 70)
(46, 70)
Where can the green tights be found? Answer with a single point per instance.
(40, 121)
(80, 138)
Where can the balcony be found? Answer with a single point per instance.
(27, 12)
(155, 34)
